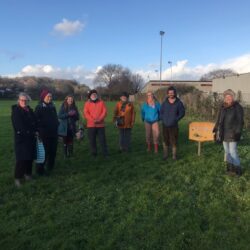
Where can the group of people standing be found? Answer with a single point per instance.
(45, 125)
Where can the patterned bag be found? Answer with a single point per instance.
(80, 133)
(40, 152)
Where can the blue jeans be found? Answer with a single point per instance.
(231, 153)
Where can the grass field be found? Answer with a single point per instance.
(128, 201)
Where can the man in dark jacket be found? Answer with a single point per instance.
(229, 126)
(47, 126)
(172, 110)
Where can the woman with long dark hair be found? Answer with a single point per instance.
(68, 116)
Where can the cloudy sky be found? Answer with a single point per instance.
(73, 39)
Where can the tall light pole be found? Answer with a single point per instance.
(170, 63)
(161, 34)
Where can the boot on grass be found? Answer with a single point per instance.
(70, 150)
(165, 152)
(65, 151)
(156, 147)
(238, 170)
(18, 183)
(174, 150)
(148, 147)
(28, 177)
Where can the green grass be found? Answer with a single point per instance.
(128, 201)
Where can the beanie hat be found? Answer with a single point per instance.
(229, 92)
(125, 94)
(43, 94)
(92, 91)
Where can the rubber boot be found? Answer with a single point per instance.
(148, 147)
(174, 150)
(156, 147)
(165, 152)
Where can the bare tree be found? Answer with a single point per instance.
(107, 74)
(137, 82)
(218, 73)
(117, 79)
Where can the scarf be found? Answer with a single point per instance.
(123, 107)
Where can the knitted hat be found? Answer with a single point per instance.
(43, 94)
(125, 94)
(229, 92)
(92, 91)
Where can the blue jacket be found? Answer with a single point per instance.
(150, 114)
(171, 113)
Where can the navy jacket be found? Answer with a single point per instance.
(171, 113)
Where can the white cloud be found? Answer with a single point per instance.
(181, 70)
(68, 28)
(78, 73)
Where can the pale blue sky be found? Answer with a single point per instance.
(200, 36)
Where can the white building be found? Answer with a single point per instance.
(153, 85)
(239, 82)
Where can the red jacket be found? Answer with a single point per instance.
(95, 113)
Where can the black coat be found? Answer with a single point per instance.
(230, 122)
(47, 119)
(25, 127)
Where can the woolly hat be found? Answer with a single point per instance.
(43, 94)
(125, 94)
(229, 92)
(92, 91)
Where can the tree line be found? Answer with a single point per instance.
(10, 87)
(110, 81)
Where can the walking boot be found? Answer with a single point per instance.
(28, 177)
(70, 150)
(65, 150)
(18, 183)
(233, 170)
(229, 167)
(148, 147)
(174, 150)
(156, 147)
(165, 152)
(238, 170)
